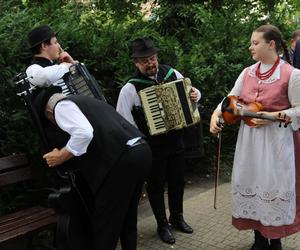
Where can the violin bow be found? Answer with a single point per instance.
(219, 136)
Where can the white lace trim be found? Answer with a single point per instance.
(271, 208)
(272, 78)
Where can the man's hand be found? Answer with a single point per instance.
(194, 94)
(64, 57)
(57, 157)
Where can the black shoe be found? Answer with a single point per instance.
(275, 244)
(165, 234)
(179, 223)
(257, 247)
(260, 243)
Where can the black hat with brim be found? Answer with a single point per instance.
(142, 47)
(41, 97)
(40, 34)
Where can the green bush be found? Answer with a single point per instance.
(210, 47)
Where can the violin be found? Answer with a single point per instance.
(235, 109)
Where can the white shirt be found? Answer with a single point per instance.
(128, 98)
(46, 76)
(70, 119)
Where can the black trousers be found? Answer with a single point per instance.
(116, 206)
(167, 167)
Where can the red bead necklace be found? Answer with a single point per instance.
(267, 74)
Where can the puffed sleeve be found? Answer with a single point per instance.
(294, 98)
(236, 90)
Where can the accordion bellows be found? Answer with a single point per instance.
(168, 106)
(80, 82)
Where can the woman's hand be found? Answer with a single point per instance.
(279, 115)
(215, 125)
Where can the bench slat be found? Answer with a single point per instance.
(15, 176)
(28, 228)
(5, 219)
(26, 222)
(13, 161)
(23, 222)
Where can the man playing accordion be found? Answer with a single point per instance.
(44, 71)
(167, 149)
(87, 134)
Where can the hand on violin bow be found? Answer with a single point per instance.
(215, 124)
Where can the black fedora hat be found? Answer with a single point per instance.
(40, 34)
(142, 47)
(41, 97)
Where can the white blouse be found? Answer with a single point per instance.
(293, 91)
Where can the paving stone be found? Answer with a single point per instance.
(212, 228)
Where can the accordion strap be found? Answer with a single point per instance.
(137, 80)
(145, 81)
(170, 72)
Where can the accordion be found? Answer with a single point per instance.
(80, 82)
(168, 106)
(77, 81)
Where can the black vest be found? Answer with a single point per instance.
(42, 61)
(111, 133)
(138, 113)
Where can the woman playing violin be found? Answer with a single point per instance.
(266, 168)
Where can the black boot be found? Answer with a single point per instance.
(157, 203)
(275, 244)
(164, 232)
(177, 221)
(260, 243)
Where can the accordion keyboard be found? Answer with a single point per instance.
(168, 106)
(65, 89)
(151, 106)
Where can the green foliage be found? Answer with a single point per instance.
(210, 46)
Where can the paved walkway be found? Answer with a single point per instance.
(212, 228)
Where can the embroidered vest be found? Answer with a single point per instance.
(274, 95)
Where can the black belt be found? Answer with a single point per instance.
(138, 142)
